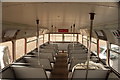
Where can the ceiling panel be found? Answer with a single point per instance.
(61, 15)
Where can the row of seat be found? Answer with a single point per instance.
(78, 57)
(77, 53)
(36, 64)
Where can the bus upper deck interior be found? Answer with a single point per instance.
(60, 40)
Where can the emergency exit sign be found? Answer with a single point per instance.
(62, 30)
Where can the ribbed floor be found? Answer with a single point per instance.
(61, 67)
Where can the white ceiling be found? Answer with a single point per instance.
(61, 15)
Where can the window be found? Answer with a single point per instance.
(115, 48)
(31, 38)
(63, 37)
(45, 38)
(94, 45)
(80, 38)
(55, 37)
(74, 37)
(20, 46)
(9, 45)
(31, 45)
(5, 54)
(85, 41)
(40, 39)
(115, 57)
(94, 40)
(70, 37)
(103, 49)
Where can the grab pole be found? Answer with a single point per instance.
(89, 45)
(37, 42)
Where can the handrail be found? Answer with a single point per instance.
(115, 72)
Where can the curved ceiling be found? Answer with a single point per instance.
(60, 14)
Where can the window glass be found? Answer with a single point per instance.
(41, 39)
(115, 48)
(31, 38)
(85, 37)
(9, 45)
(20, 46)
(103, 49)
(45, 38)
(70, 37)
(115, 57)
(94, 40)
(85, 40)
(55, 37)
(94, 45)
(74, 37)
(5, 54)
(32, 45)
(80, 38)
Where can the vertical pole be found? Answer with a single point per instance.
(63, 41)
(73, 33)
(55, 29)
(52, 28)
(25, 45)
(14, 50)
(98, 47)
(87, 41)
(63, 37)
(43, 39)
(52, 33)
(49, 37)
(119, 29)
(37, 21)
(55, 35)
(37, 42)
(71, 29)
(108, 54)
(89, 48)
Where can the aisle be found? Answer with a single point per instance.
(61, 67)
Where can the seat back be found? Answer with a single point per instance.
(46, 64)
(7, 73)
(77, 51)
(78, 56)
(92, 74)
(30, 73)
(35, 62)
(48, 51)
(74, 62)
(47, 56)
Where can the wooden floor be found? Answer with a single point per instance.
(60, 69)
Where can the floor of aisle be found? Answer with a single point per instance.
(60, 69)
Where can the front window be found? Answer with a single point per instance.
(55, 37)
